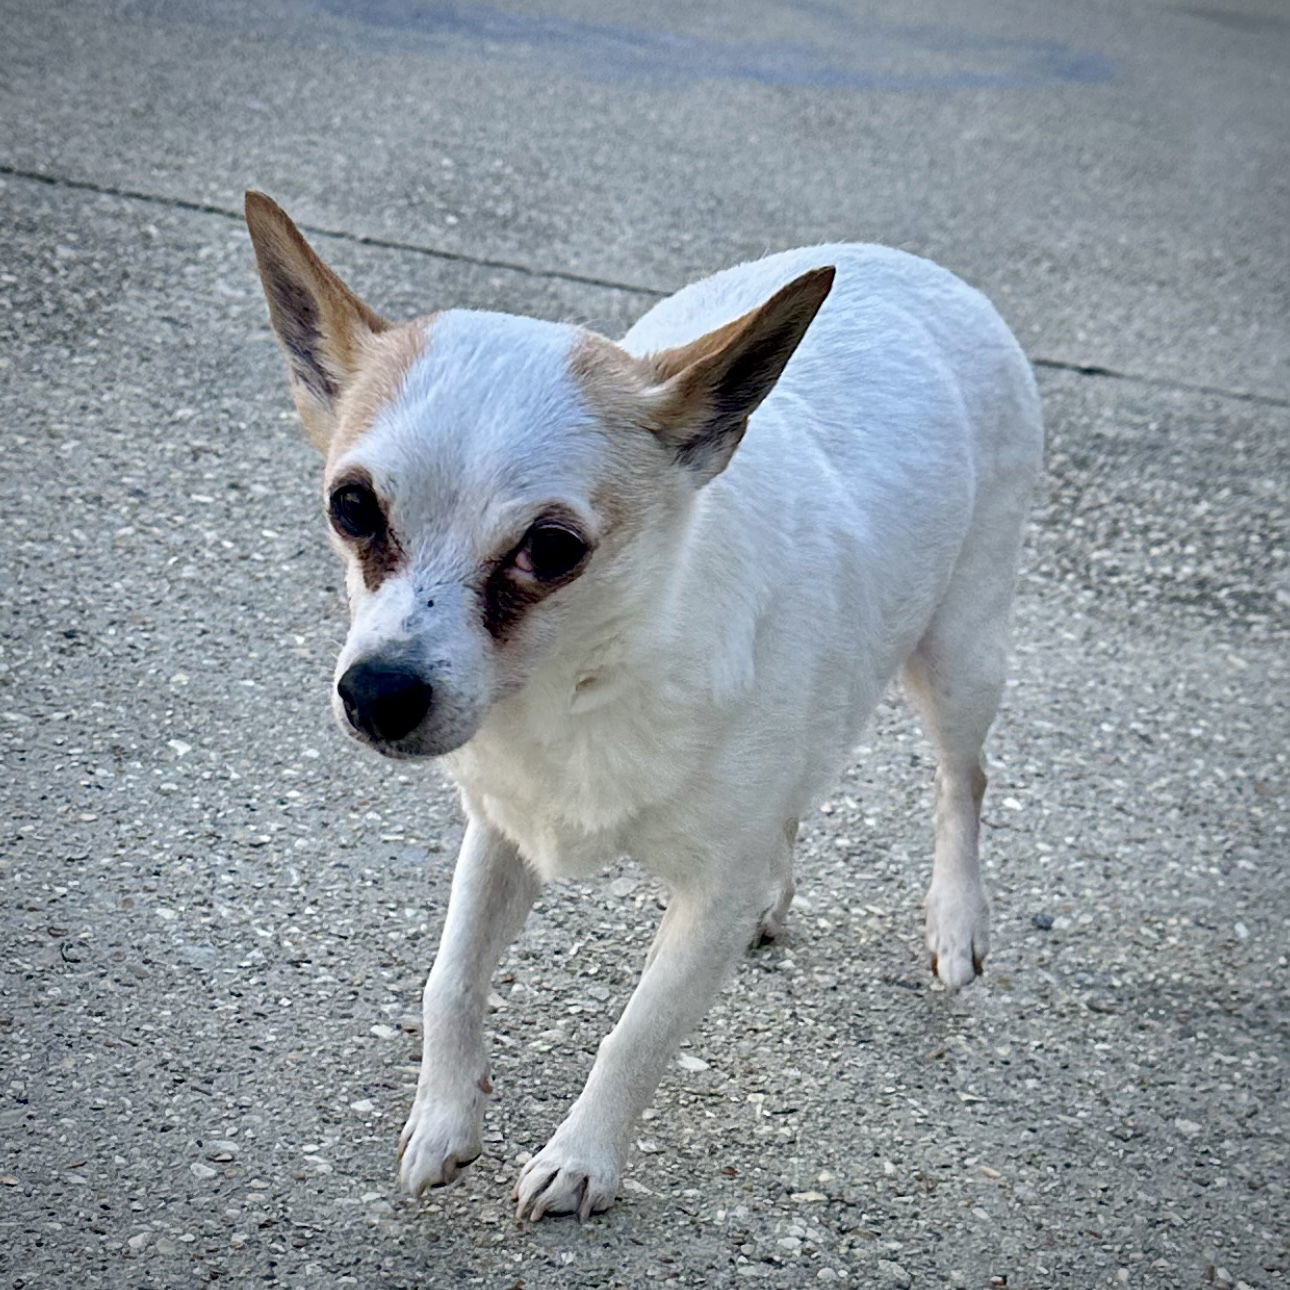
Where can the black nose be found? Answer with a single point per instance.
(383, 700)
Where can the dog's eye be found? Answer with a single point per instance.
(550, 551)
(356, 513)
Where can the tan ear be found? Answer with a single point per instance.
(706, 390)
(320, 322)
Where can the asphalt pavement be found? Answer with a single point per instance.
(217, 916)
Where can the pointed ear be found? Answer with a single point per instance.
(320, 322)
(706, 391)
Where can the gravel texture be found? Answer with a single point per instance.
(217, 916)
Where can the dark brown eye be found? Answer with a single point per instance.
(356, 513)
(550, 551)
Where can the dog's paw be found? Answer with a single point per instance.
(441, 1137)
(773, 921)
(770, 928)
(567, 1177)
(958, 932)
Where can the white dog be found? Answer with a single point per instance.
(626, 637)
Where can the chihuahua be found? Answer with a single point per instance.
(640, 597)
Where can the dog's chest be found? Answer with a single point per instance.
(567, 787)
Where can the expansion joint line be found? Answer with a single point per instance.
(579, 279)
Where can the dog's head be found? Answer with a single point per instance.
(498, 487)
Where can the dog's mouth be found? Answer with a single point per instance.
(412, 748)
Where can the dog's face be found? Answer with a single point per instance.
(498, 487)
(486, 511)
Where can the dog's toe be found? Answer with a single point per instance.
(436, 1145)
(955, 970)
(561, 1179)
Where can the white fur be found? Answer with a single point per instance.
(711, 675)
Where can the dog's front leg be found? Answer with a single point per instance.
(492, 892)
(701, 935)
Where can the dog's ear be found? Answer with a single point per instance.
(320, 322)
(704, 392)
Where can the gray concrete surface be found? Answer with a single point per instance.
(217, 917)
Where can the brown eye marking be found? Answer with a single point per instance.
(358, 515)
(550, 555)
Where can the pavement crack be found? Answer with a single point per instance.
(1091, 370)
(341, 235)
(1160, 382)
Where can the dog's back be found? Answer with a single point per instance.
(897, 352)
(904, 433)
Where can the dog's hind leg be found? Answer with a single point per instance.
(955, 678)
(492, 892)
(780, 893)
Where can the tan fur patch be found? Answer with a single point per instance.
(321, 324)
(615, 386)
(384, 362)
(723, 375)
(612, 381)
(668, 363)
(697, 397)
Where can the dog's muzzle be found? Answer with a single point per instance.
(383, 699)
